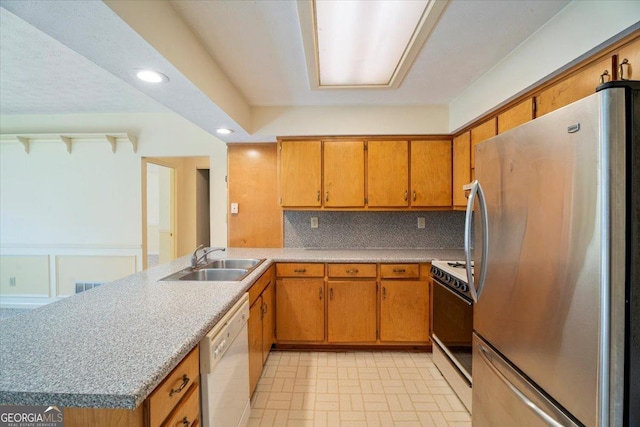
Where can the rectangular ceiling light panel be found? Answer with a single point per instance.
(365, 42)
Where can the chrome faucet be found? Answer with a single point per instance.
(195, 260)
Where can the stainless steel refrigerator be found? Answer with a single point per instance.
(556, 217)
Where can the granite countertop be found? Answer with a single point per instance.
(111, 346)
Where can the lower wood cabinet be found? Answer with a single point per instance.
(355, 304)
(351, 311)
(404, 311)
(300, 305)
(261, 324)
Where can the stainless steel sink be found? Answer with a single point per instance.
(216, 274)
(247, 263)
(219, 270)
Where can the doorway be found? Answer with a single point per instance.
(175, 207)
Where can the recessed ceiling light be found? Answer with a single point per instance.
(151, 76)
(224, 131)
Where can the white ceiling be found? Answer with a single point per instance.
(76, 57)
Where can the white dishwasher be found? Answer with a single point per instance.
(224, 369)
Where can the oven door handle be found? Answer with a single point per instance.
(454, 293)
(476, 189)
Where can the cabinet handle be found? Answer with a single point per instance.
(184, 423)
(406, 196)
(300, 270)
(384, 293)
(625, 61)
(414, 195)
(399, 270)
(320, 292)
(330, 293)
(326, 197)
(265, 308)
(185, 381)
(318, 196)
(352, 271)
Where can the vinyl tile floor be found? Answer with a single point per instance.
(361, 388)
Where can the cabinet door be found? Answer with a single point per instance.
(300, 173)
(268, 320)
(481, 133)
(351, 311)
(461, 167)
(388, 173)
(431, 173)
(255, 343)
(629, 70)
(578, 85)
(515, 116)
(300, 309)
(343, 174)
(404, 311)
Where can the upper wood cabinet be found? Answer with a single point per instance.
(431, 173)
(300, 173)
(388, 173)
(344, 173)
(481, 133)
(461, 167)
(578, 85)
(516, 115)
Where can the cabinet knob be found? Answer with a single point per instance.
(625, 61)
(184, 422)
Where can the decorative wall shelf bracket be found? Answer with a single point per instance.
(25, 142)
(71, 138)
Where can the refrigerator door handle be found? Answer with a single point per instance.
(486, 358)
(476, 190)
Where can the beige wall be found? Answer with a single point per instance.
(88, 203)
(71, 269)
(30, 275)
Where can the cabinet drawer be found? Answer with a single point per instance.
(188, 412)
(166, 396)
(300, 270)
(351, 270)
(399, 271)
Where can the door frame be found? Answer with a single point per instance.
(174, 210)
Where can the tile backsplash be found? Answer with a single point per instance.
(346, 230)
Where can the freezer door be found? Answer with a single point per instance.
(504, 398)
(540, 306)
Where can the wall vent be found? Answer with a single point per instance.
(85, 286)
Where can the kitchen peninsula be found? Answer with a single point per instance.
(111, 347)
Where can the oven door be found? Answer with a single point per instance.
(452, 328)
